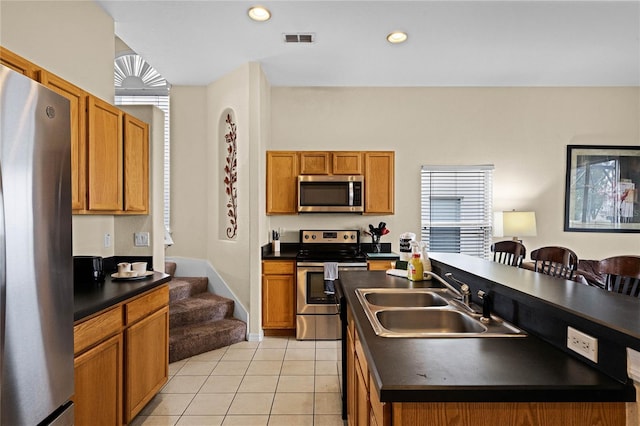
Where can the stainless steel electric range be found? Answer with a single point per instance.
(317, 308)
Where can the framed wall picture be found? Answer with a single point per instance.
(602, 189)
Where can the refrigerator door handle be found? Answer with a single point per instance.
(3, 282)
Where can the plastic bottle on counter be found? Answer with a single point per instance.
(426, 262)
(414, 269)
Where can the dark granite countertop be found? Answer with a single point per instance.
(288, 251)
(91, 298)
(497, 369)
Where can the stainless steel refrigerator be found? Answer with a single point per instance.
(36, 294)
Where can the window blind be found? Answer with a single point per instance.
(161, 102)
(456, 209)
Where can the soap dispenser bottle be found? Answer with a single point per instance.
(414, 269)
(426, 262)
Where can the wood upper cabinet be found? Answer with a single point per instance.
(117, 161)
(282, 182)
(278, 294)
(283, 168)
(78, 105)
(330, 162)
(18, 63)
(347, 163)
(136, 165)
(379, 172)
(315, 163)
(105, 161)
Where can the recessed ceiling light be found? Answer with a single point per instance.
(259, 13)
(397, 37)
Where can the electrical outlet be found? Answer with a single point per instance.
(582, 343)
(107, 240)
(141, 239)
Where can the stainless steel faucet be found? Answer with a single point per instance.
(464, 294)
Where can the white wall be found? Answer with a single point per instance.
(189, 175)
(73, 39)
(522, 131)
(235, 259)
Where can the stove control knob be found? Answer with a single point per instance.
(313, 237)
(306, 237)
(346, 237)
(353, 237)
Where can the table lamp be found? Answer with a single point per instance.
(515, 224)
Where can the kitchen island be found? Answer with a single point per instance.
(477, 381)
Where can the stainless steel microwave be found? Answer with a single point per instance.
(327, 194)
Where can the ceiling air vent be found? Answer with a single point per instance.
(300, 38)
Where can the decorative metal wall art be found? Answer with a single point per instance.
(231, 177)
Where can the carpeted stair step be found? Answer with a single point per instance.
(184, 287)
(199, 308)
(190, 340)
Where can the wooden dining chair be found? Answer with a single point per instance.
(622, 274)
(509, 252)
(559, 262)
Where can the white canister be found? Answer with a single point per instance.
(405, 245)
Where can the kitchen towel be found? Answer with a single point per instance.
(330, 275)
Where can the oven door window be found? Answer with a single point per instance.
(315, 290)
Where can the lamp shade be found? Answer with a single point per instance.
(515, 224)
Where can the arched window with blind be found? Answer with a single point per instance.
(456, 209)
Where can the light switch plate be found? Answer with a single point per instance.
(141, 239)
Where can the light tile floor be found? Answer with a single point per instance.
(279, 381)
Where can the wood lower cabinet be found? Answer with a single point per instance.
(146, 361)
(282, 182)
(278, 295)
(379, 265)
(98, 384)
(121, 359)
(379, 172)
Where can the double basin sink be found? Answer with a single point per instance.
(427, 312)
